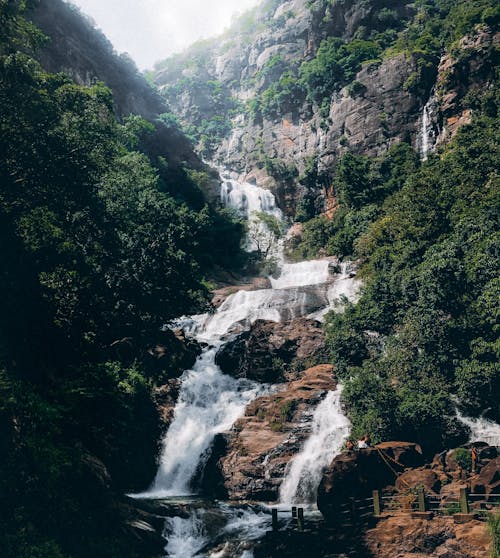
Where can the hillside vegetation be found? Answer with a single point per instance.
(93, 250)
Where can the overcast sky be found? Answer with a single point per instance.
(150, 30)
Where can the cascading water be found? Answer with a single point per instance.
(482, 430)
(330, 429)
(429, 131)
(303, 273)
(186, 536)
(247, 198)
(210, 402)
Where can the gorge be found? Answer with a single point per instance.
(216, 272)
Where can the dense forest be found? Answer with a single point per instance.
(95, 250)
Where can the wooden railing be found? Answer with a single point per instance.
(357, 511)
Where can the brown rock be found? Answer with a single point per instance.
(488, 479)
(249, 463)
(257, 283)
(419, 477)
(356, 474)
(405, 537)
(271, 352)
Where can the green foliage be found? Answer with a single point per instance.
(463, 458)
(336, 64)
(287, 409)
(205, 125)
(284, 95)
(280, 170)
(494, 529)
(426, 325)
(95, 254)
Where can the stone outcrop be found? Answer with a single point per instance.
(488, 480)
(273, 352)
(468, 69)
(248, 463)
(355, 474)
(396, 469)
(407, 537)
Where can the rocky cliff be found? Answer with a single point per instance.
(295, 84)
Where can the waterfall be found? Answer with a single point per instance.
(345, 287)
(482, 430)
(247, 198)
(186, 536)
(429, 131)
(330, 429)
(209, 403)
(303, 273)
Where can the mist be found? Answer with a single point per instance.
(150, 30)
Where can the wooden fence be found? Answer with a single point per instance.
(359, 511)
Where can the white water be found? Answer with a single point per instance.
(345, 287)
(303, 273)
(248, 198)
(186, 536)
(482, 430)
(209, 403)
(330, 429)
(428, 133)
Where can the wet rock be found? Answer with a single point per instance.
(220, 295)
(165, 397)
(252, 458)
(272, 352)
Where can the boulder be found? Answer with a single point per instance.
(271, 352)
(488, 479)
(355, 474)
(170, 353)
(419, 477)
(405, 537)
(249, 462)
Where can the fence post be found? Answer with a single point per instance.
(464, 503)
(300, 519)
(352, 501)
(421, 500)
(274, 512)
(376, 503)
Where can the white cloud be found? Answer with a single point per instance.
(150, 30)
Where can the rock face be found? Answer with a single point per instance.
(248, 463)
(246, 62)
(220, 89)
(468, 69)
(355, 474)
(271, 352)
(406, 537)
